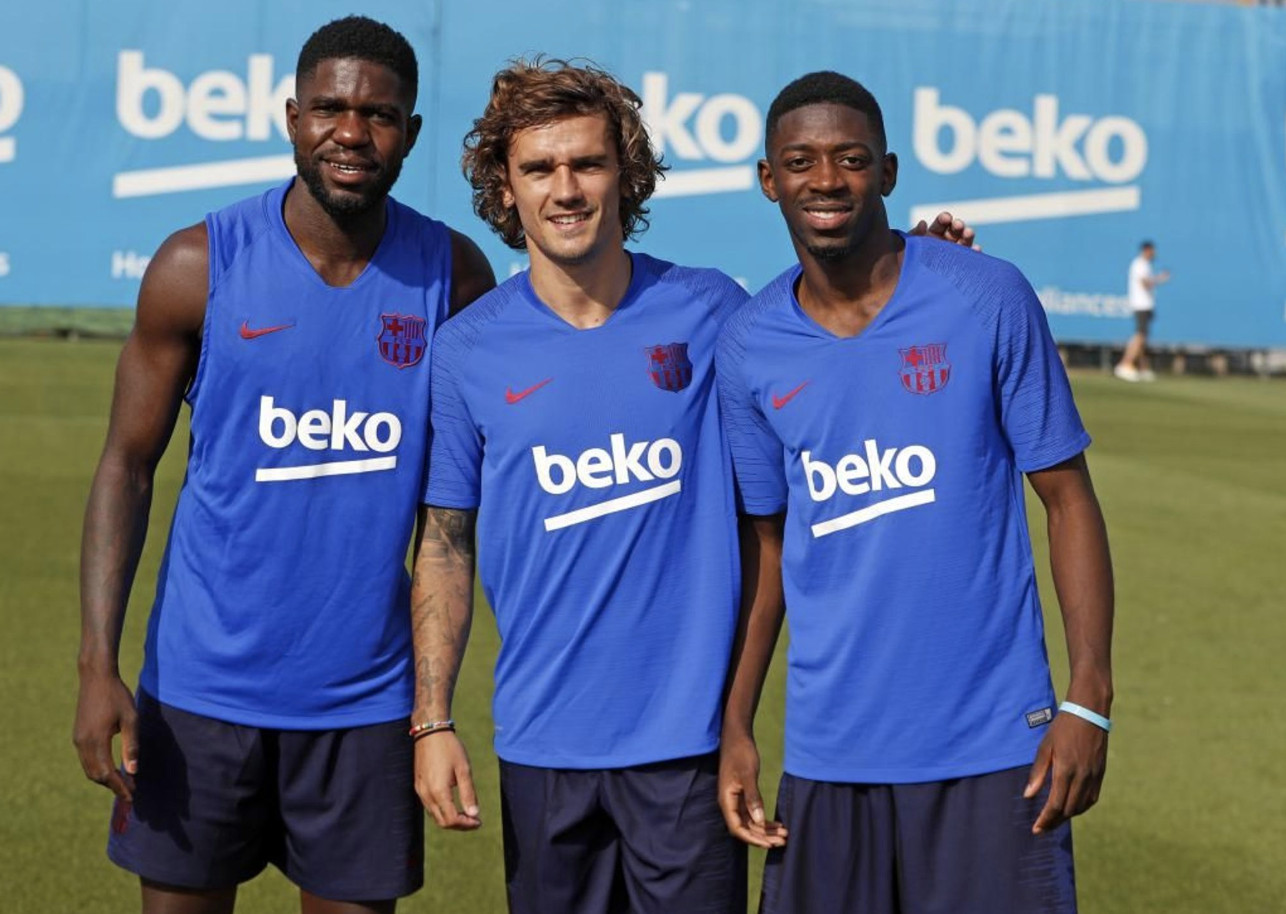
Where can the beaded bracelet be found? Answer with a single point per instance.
(425, 727)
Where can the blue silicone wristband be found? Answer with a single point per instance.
(1093, 717)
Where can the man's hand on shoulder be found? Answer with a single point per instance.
(945, 227)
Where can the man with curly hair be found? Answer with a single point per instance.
(575, 426)
(270, 720)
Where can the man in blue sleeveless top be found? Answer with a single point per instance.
(883, 400)
(575, 423)
(270, 722)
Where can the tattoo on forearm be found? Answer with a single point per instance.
(442, 602)
(448, 532)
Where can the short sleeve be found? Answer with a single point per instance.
(757, 459)
(455, 452)
(1037, 411)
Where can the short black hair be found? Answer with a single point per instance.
(825, 87)
(364, 39)
(1145, 245)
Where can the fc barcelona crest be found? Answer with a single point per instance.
(402, 340)
(925, 369)
(669, 367)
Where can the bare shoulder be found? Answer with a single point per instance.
(471, 274)
(160, 357)
(171, 300)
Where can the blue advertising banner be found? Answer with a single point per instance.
(1067, 131)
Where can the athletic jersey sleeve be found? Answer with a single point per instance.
(1037, 410)
(455, 454)
(756, 451)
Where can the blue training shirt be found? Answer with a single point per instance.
(606, 515)
(283, 600)
(917, 646)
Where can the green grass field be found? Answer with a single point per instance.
(1192, 476)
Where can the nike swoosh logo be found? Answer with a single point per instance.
(511, 397)
(779, 402)
(248, 334)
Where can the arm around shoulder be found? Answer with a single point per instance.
(471, 274)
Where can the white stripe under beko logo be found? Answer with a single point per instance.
(331, 432)
(875, 470)
(603, 468)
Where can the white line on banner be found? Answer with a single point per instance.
(337, 468)
(706, 181)
(611, 506)
(992, 210)
(148, 182)
(888, 506)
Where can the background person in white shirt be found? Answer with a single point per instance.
(1143, 282)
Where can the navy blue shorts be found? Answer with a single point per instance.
(214, 803)
(950, 847)
(644, 840)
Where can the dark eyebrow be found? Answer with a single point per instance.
(838, 147)
(336, 101)
(530, 165)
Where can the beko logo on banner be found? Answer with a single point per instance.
(721, 132)
(600, 468)
(218, 105)
(11, 99)
(1047, 144)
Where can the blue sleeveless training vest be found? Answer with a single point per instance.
(283, 599)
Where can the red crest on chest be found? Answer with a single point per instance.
(402, 340)
(668, 366)
(925, 369)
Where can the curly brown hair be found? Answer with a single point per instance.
(531, 93)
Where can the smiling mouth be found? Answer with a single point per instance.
(569, 219)
(348, 168)
(823, 215)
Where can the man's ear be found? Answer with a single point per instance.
(507, 194)
(767, 185)
(889, 180)
(413, 125)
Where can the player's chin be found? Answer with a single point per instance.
(829, 248)
(352, 201)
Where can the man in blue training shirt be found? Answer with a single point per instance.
(272, 710)
(575, 423)
(883, 399)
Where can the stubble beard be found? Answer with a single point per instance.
(836, 251)
(346, 206)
